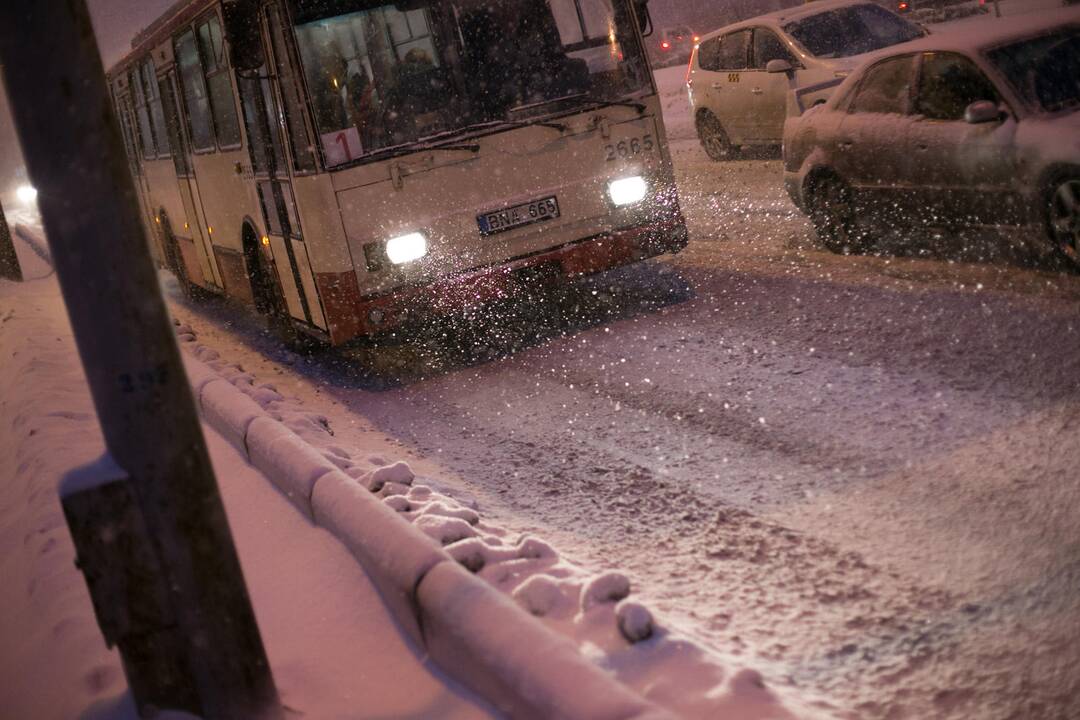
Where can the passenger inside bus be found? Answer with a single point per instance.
(511, 73)
(387, 75)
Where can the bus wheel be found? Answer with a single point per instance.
(713, 138)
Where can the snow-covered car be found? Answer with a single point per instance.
(674, 45)
(951, 130)
(739, 76)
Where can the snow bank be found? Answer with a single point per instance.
(513, 660)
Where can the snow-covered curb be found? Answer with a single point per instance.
(461, 621)
(35, 241)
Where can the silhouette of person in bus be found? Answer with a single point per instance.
(511, 72)
(420, 89)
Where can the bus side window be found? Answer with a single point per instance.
(219, 82)
(194, 92)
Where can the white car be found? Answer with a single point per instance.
(956, 129)
(739, 76)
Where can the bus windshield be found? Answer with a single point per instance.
(383, 76)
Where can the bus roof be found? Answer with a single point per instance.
(179, 13)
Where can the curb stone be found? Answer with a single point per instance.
(458, 619)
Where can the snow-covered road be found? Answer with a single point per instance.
(859, 472)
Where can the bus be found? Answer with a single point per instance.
(346, 165)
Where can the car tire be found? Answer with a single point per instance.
(1062, 215)
(714, 139)
(832, 212)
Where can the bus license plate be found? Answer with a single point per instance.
(534, 211)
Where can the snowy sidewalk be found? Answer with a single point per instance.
(334, 649)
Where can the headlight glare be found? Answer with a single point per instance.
(627, 191)
(406, 248)
(27, 194)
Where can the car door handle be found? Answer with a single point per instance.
(922, 147)
(845, 144)
(757, 91)
(717, 86)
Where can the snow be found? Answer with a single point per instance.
(358, 503)
(333, 648)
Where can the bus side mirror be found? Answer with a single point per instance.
(641, 9)
(241, 19)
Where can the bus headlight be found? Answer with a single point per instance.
(27, 194)
(627, 191)
(406, 248)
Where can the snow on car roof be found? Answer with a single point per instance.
(782, 17)
(972, 35)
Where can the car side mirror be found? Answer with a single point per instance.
(778, 65)
(982, 111)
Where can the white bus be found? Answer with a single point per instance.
(343, 165)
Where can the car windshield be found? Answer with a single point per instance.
(388, 75)
(1045, 70)
(851, 31)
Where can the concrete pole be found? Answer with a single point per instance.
(75, 157)
(9, 261)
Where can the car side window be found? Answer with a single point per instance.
(885, 87)
(709, 54)
(948, 84)
(767, 46)
(733, 50)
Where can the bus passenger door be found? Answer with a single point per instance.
(268, 129)
(194, 224)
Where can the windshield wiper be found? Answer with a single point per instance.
(639, 106)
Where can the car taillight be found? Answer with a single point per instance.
(665, 44)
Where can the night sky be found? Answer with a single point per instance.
(115, 23)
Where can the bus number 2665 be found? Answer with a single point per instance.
(629, 147)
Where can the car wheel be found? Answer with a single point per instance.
(832, 212)
(1063, 216)
(713, 138)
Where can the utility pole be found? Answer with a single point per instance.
(9, 261)
(149, 525)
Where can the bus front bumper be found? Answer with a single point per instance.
(499, 282)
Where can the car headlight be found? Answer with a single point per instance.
(406, 248)
(627, 191)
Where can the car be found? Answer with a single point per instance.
(674, 45)
(956, 129)
(739, 76)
